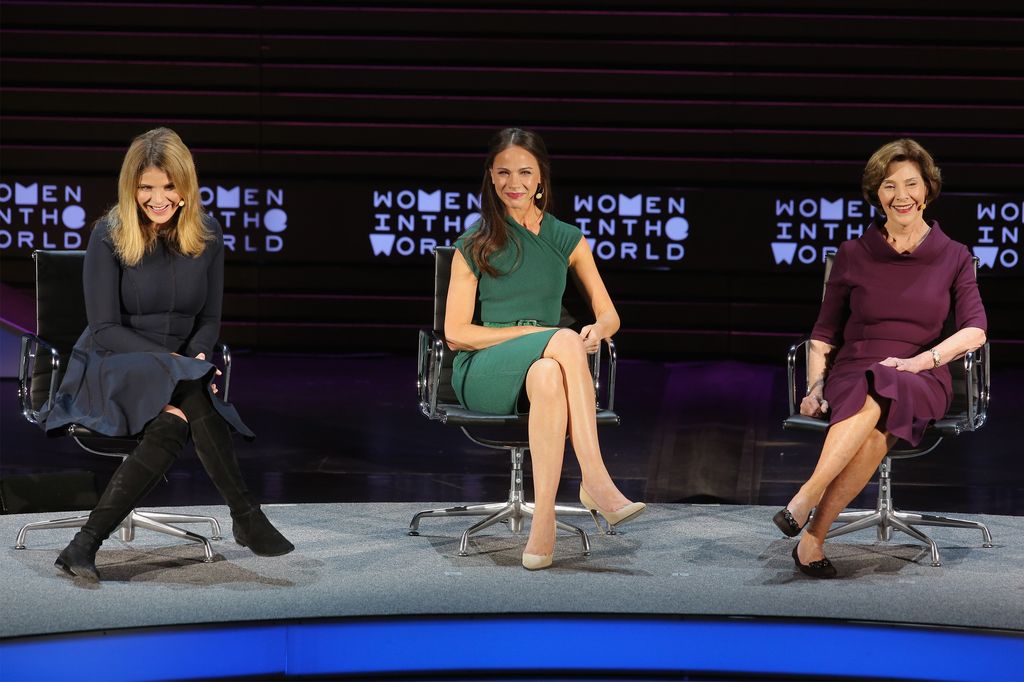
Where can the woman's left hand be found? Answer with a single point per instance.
(913, 365)
(591, 335)
(202, 356)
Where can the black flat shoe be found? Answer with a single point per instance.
(822, 568)
(786, 523)
(79, 557)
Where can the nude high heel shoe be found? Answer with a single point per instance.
(612, 518)
(535, 562)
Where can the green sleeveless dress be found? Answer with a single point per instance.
(528, 291)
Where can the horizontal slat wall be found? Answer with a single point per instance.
(749, 95)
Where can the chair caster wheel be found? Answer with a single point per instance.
(987, 545)
(414, 533)
(586, 554)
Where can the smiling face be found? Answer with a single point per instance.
(515, 175)
(903, 193)
(157, 196)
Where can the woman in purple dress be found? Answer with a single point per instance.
(877, 361)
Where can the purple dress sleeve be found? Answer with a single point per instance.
(835, 307)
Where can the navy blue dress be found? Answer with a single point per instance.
(121, 372)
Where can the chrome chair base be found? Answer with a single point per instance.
(512, 512)
(155, 521)
(885, 519)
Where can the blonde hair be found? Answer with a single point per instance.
(162, 149)
(904, 149)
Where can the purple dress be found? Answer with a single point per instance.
(880, 303)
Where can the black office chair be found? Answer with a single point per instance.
(502, 432)
(968, 412)
(60, 319)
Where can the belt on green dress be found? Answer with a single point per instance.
(517, 323)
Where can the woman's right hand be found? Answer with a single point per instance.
(814, 405)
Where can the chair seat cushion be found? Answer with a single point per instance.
(460, 416)
(98, 443)
(951, 425)
(801, 422)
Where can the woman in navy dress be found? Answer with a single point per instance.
(877, 361)
(154, 278)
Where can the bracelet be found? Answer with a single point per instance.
(936, 359)
(819, 382)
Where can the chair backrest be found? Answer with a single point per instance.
(957, 370)
(442, 276)
(60, 311)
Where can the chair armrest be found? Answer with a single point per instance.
(594, 361)
(791, 355)
(225, 356)
(801, 422)
(977, 376)
(613, 361)
(31, 345)
(429, 359)
(422, 361)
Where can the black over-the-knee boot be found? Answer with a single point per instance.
(212, 438)
(161, 442)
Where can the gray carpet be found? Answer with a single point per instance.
(356, 560)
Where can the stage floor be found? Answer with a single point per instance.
(356, 560)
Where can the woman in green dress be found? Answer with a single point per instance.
(515, 260)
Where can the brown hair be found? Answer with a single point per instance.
(159, 148)
(493, 235)
(903, 149)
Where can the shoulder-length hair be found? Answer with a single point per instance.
(186, 232)
(493, 234)
(904, 149)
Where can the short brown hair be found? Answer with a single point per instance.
(905, 149)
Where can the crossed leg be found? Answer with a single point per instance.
(841, 491)
(851, 453)
(561, 393)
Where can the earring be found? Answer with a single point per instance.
(540, 194)
(181, 203)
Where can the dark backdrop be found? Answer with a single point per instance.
(712, 150)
